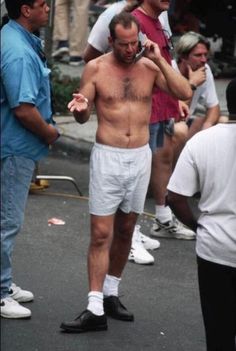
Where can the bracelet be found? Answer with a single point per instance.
(86, 100)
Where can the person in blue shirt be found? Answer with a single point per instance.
(27, 131)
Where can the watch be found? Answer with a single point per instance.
(193, 87)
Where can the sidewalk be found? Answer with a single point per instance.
(78, 138)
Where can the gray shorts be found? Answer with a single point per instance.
(119, 178)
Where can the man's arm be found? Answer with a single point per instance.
(167, 78)
(180, 206)
(82, 102)
(171, 81)
(91, 53)
(30, 118)
(98, 38)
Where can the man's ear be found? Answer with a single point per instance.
(25, 11)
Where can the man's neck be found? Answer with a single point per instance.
(25, 24)
(150, 11)
(123, 65)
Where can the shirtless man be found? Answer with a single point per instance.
(120, 165)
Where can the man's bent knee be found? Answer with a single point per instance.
(101, 230)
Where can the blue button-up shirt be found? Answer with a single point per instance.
(24, 79)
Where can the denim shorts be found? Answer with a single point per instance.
(156, 131)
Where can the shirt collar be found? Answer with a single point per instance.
(34, 41)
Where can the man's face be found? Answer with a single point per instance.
(39, 13)
(198, 57)
(125, 45)
(159, 5)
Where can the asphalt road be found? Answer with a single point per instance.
(51, 262)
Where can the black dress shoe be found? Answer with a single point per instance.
(86, 321)
(114, 308)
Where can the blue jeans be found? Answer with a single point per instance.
(16, 175)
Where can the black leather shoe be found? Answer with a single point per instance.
(114, 308)
(86, 321)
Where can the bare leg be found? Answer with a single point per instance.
(164, 162)
(98, 254)
(123, 230)
(108, 252)
(161, 170)
(196, 126)
(179, 139)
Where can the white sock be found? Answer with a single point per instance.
(95, 302)
(110, 286)
(163, 213)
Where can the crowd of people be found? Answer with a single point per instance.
(146, 94)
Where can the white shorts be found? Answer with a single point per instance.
(119, 178)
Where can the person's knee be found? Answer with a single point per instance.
(180, 132)
(125, 231)
(100, 235)
(124, 226)
(11, 227)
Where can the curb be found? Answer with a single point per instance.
(72, 147)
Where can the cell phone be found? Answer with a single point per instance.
(139, 54)
(142, 39)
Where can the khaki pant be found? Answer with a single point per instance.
(71, 23)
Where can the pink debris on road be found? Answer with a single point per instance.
(56, 221)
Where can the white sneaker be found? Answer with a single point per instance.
(148, 243)
(60, 52)
(20, 295)
(12, 309)
(173, 229)
(138, 253)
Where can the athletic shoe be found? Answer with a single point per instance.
(12, 309)
(138, 254)
(148, 243)
(86, 321)
(61, 50)
(173, 229)
(76, 61)
(20, 295)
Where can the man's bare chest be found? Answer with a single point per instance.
(118, 86)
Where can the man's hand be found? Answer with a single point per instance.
(29, 116)
(79, 103)
(152, 50)
(197, 77)
(183, 110)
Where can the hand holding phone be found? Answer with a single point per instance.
(142, 40)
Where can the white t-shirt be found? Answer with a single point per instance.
(205, 94)
(207, 165)
(98, 37)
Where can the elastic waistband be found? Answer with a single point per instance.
(121, 149)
